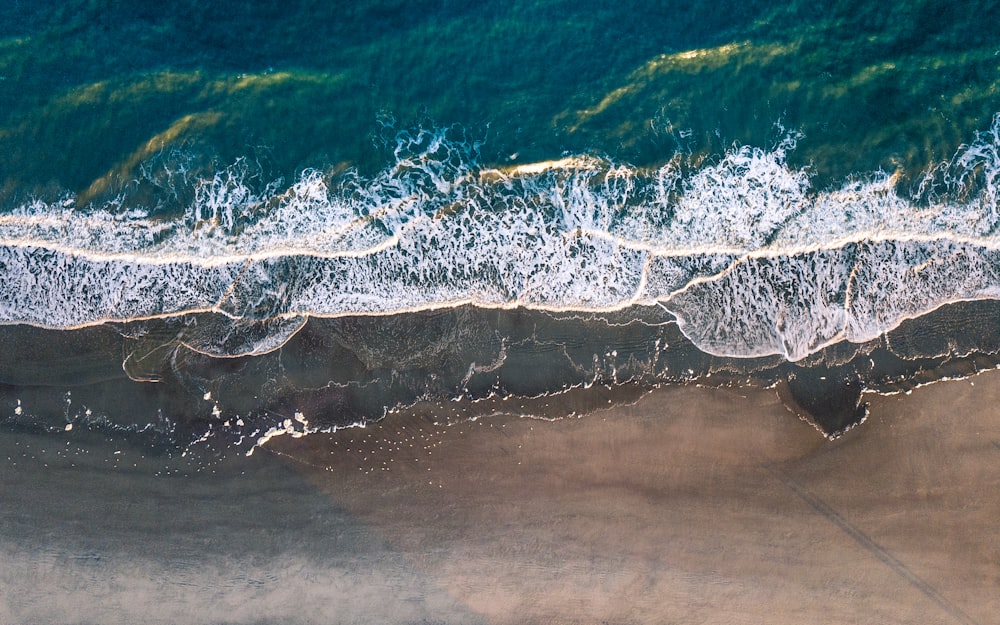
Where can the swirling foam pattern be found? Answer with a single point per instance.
(750, 258)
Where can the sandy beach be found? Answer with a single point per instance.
(693, 505)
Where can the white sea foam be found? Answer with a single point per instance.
(750, 258)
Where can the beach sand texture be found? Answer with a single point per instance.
(693, 505)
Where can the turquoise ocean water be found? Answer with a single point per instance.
(222, 222)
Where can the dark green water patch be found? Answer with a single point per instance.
(85, 85)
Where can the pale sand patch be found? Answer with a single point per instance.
(694, 505)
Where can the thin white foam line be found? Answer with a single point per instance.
(157, 258)
(495, 395)
(636, 299)
(440, 305)
(948, 378)
(636, 302)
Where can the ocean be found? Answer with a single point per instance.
(238, 240)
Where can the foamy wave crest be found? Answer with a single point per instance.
(750, 258)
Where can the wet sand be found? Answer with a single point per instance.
(84, 541)
(693, 505)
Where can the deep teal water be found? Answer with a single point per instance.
(86, 86)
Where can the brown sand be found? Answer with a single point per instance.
(692, 506)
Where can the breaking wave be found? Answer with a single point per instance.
(749, 257)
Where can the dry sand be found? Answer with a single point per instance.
(692, 506)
